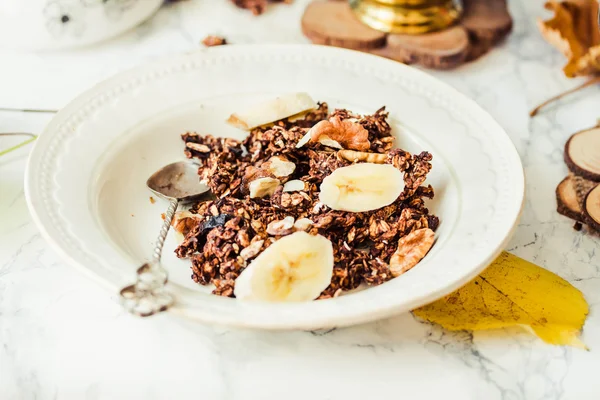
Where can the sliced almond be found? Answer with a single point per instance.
(303, 224)
(295, 185)
(304, 140)
(201, 148)
(327, 141)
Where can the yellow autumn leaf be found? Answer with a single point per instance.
(514, 292)
(574, 31)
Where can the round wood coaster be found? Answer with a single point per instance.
(329, 24)
(484, 24)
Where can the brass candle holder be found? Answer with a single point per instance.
(407, 16)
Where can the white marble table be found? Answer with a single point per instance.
(62, 337)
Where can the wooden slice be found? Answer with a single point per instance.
(582, 154)
(445, 49)
(591, 208)
(582, 187)
(484, 24)
(487, 20)
(567, 202)
(333, 23)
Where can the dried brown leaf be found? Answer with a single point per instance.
(574, 31)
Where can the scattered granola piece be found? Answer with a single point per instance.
(185, 221)
(257, 6)
(152, 201)
(199, 234)
(212, 40)
(411, 249)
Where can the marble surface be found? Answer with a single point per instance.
(63, 337)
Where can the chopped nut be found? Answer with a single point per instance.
(202, 148)
(212, 40)
(295, 185)
(252, 173)
(411, 249)
(281, 228)
(279, 166)
(262, 187)
(343, 134)
(303, 224)
(257, 7)
(252, 250)
(355, 156)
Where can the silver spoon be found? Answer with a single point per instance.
(177, 182)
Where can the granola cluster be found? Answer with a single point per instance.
(213, 40)
(224, 235)
(257, 7)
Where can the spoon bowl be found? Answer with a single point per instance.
(177, 181)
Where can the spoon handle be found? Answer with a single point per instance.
(160, 242)
(148, 295)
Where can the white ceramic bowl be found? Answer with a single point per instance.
(56, 24)
(85, 182)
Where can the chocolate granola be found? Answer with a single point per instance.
(257, 7)
(223, 236)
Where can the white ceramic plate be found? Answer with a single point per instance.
(85, 180)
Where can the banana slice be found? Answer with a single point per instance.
(362, 187)
(295, 268)
(264, 113)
